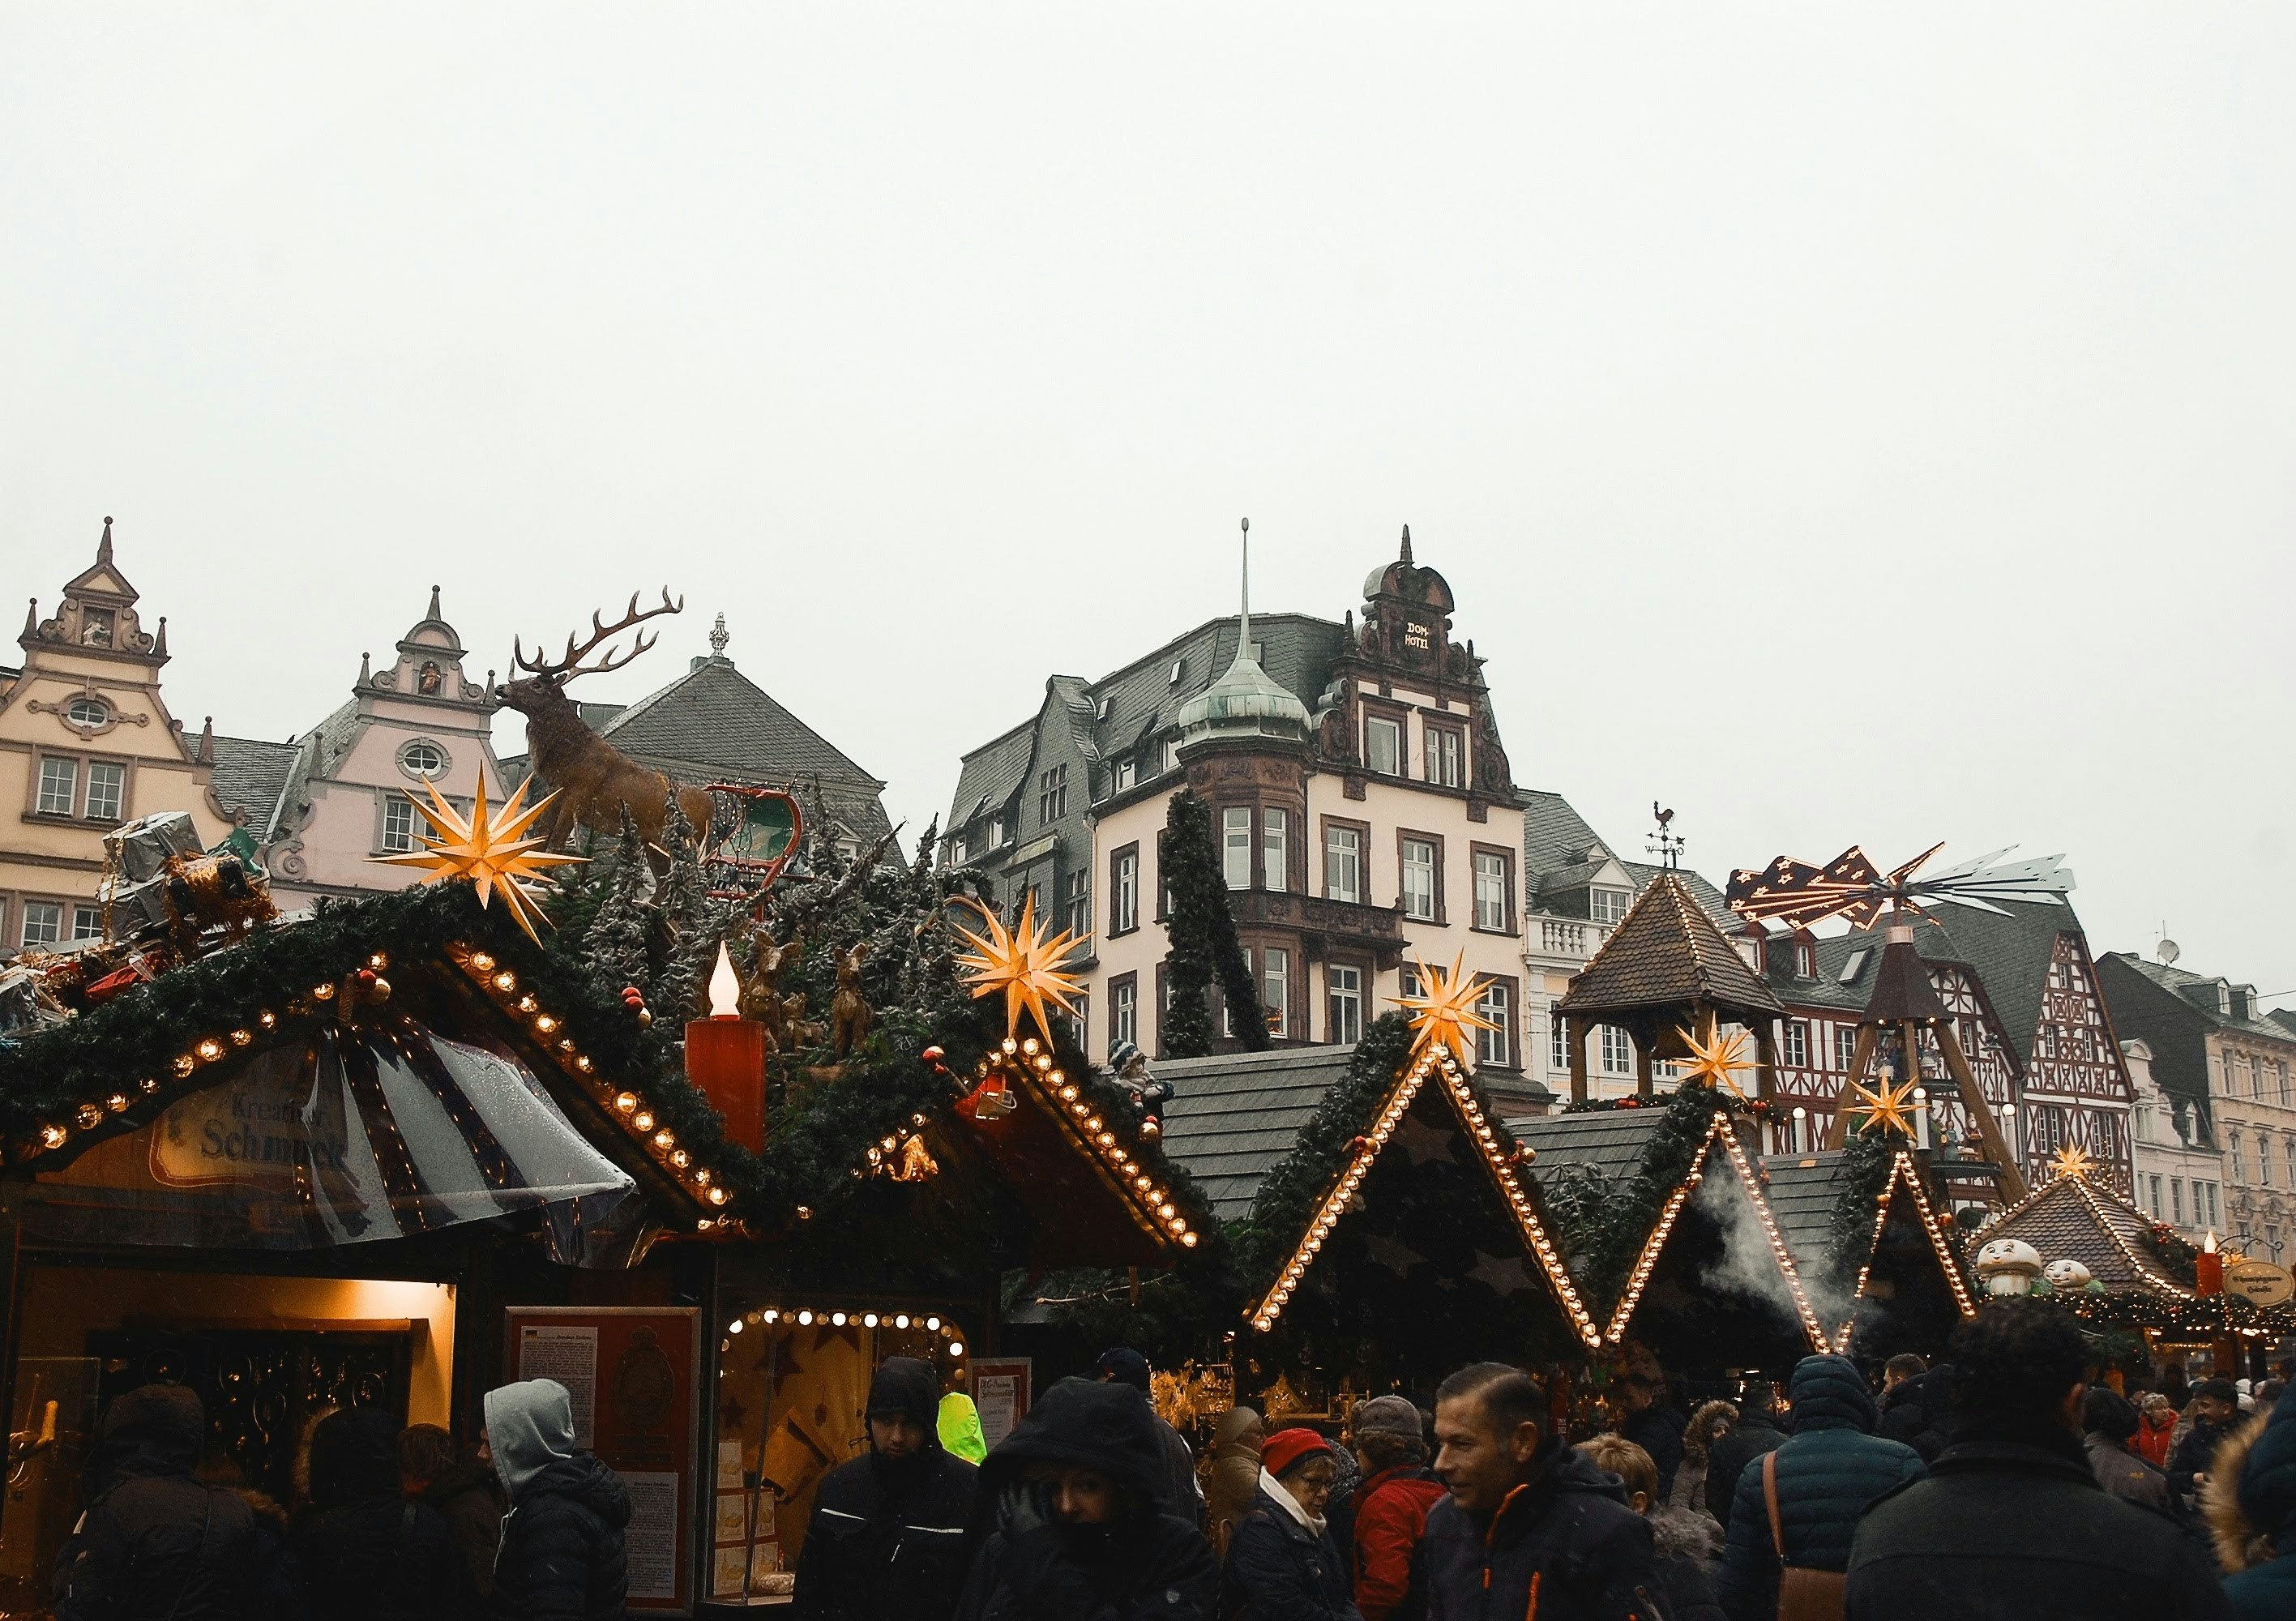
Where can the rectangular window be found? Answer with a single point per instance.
(1080, 1023)
(956, 851)
(2177, 1201)
(2216, 1219)
(44, 923)
(1235, 846)
(1171, 753)
(1383, 745)
(2263, 1160)
(1617, 1052)
(2239, 1173)
(1052, 795)
(1845, 1046)
(1123, 1010)
(1446, 751)
(995, 831)
(1495, 1046)
(1275, 850)
(397, 823)
(1128, 772)
(1123, 890)
(1419, 879)
(1797, 1053)
(1608, 905)
(2155, 1184)
(1491, 890)
(1276, 988)
(59, 786)
(1078, 918)
(88, 923)
(1342, 864)
(1558, 1037)
(107, 788)
(1346, 986)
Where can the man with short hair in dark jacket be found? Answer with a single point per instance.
(1828, 1470)
(888, 1537)
(1530, 1526)
(562, 1556)
(435, 1469)
(2214, 1410)
(154, 1542)
(2010, 1521)
(2108, 1423)
(366, 1552)
(1756, 1432)
(1918, 1409)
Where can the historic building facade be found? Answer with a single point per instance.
(2179, 1164)
(2228, 1061)
(1360, 794)
(86, 744)
(324, 804)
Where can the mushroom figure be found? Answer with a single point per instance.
(2067, 1275)
(2008, 1267)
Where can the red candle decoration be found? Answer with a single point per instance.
(726, 1060)
(2207, 1268)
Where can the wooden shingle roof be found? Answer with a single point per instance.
(2072, 1218)
(1667, 952)
(1231, 1117)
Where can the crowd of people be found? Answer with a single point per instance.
(1996, 1484)
(389, 1524)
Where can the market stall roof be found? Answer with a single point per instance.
(2071, 1218)
(1233, 1116)
(1806, 1192)
(1666, 953)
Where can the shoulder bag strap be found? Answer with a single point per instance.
(1770, 1497)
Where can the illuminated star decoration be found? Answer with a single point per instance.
(1024, 963)
(2071, 1160)
(1444, 1012)
(488, 851)
(1717, 1059)
(1888, 1107)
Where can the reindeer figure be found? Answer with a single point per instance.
(849, 1012)
(594, 780)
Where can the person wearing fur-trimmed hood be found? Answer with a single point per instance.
(2250, 1502)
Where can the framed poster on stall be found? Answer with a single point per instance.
(635, 1375)
(1000, 1393)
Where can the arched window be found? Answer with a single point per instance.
(423, 759)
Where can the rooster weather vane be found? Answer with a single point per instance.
(1852, 887)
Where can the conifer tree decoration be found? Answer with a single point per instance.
(614, 944)
(1202, 934)
(697, 920)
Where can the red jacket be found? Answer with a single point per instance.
(2152, 1443)
(1390, 1512)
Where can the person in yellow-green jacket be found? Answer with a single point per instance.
(959, 1424)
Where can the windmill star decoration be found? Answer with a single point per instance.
(1024, 963)
(2071, 1160)
(488, 851)
(1444, 1012)
(1717, 1059)
(1852, 887)
(1888, 1107)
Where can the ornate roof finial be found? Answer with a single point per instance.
(366, 671)
(159, 642)
(103, 546)
(1243, 624)
(32, 618)
(433, 614)
(719, 638)
(1406, 543)
(1666, 844)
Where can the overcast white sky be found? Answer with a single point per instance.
(1841, 426)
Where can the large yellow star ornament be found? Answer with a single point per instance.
(488, 851)
(1444, 1012)
(1889, 1107)
(2071, 1160)
(1717, 1059)
(1024, 963)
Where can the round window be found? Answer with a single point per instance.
(423, 759)
(86, 711)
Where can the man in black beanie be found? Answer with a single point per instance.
(1123, 1365)
(888, 1540)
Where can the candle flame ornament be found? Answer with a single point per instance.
(489, 851)
(1025, 963)
(1444, 1012)
(1715, 1060)
(1889, 1107)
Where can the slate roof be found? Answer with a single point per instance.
(2073, 1218)
(1553, 835)
(1233, 1116)
(1611, 1140)
(2177, 983)
(1667, 951)
(249, 774)
(1803, 1193)
(2285, 1018)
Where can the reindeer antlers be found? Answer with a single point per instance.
(570, 666)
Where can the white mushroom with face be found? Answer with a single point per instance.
(2066, 1275)
(2008, 1267)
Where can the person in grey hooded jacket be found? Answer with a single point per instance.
(561, 1558)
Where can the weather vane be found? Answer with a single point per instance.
(1666, 844)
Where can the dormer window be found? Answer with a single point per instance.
(1806, 959)
(1128, 772)
(1180, 669)
(995, 832)
(1608, 905)
(956, 851)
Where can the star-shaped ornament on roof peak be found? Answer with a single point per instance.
(489, 851)
(1444, 1012)
(2071, 1160)
(1889, 1107)
(1716, 1059)
(1024, 963)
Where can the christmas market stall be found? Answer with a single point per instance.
(1881, 1266)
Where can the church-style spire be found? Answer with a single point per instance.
(103, 546)
(1244, 701)
(1243, 621)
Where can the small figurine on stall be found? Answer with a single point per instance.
(1149, 1094)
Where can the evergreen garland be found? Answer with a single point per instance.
(1866, 1163)
(1602, 1227)
(614, 940)
(1201, 929)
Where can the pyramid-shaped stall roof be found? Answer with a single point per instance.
(2071, 1218)
(1805, 1194)
(1668, 954)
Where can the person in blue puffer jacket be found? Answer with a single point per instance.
(1831, 1466)
(2250, 1500)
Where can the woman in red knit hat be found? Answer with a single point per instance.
(1281, 1560)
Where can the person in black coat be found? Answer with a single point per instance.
(155, 1544)
(1081, 1531)
(2010, 1521)
(1183, 1494)
(1918, 1410)
(1282, 1564)
(888, 1539)
(1531, 1527)
(364, 1552)
(2214, 1410)
(561, 1557)
(436, 1470)
(1756, 1432)
(1655, 1424)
